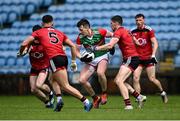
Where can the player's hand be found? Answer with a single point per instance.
(73, 66)
(153, 59)
(20, 54)
(23, 51)
(112, 50)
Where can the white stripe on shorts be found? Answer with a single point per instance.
(128, 61)
(52, 65)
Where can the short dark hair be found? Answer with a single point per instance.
(140, 15)
(83, 22)
(36, 27)
(47, 18)
(118, 19)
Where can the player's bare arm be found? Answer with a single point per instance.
(109, 45)
(73, 48)
(109, 34)
(78, 55)
(155, 45)
(25, 46)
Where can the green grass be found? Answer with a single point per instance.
(29, 107)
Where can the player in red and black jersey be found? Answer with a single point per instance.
(123, 38)
(52, 40)
(147, 45)
(39, 70)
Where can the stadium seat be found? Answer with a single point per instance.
(115, 61)
(30, 8)
(10, 62)
(20, 62)
(4, 46)
(2, 61)
(177, 61)
(46, 3)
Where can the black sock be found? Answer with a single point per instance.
(83, 99)
(94, 97)
(135, 94)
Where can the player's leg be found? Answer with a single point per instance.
(57, 90)
(140, 98)
(101, 69)
(136, 78)
(38, 93)
(40, 84)
(85, 74)
(121, 77)
(152, 77)
(61, 77)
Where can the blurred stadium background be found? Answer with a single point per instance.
(18, 16)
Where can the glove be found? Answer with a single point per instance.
(153, 59)
(86, 59)
(112, 50)
(21, 54)
(73, 66)
(23, 51)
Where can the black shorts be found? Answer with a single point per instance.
(146, 63)
(58, 62)
(35, 72)
(131, 62)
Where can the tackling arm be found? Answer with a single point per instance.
(109, 34)
(78, 51)
(73, 54)
(73, 48)
(109, 45)
(23, 50)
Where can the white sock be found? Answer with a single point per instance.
(139, 97)
(163, 93)
(51, 92)
(86, 101)
(59, 98)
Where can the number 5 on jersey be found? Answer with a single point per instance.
(53, 37)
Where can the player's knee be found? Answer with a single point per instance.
(82, 80)
(100, 74)
(33, 90)
(152, 78)
(65, 87)
(38, 86)
(136, 79)
(118, 82)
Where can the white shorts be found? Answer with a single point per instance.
(98, 59)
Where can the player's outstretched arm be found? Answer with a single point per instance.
(109, 45)
(73, 54)
(23, 50)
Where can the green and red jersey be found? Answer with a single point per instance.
(97, 39)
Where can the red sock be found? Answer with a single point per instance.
(135, 94)
(127, 102)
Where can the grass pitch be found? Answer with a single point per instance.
(30, 108)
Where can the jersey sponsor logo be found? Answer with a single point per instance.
(142, 41)
(37, 55)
